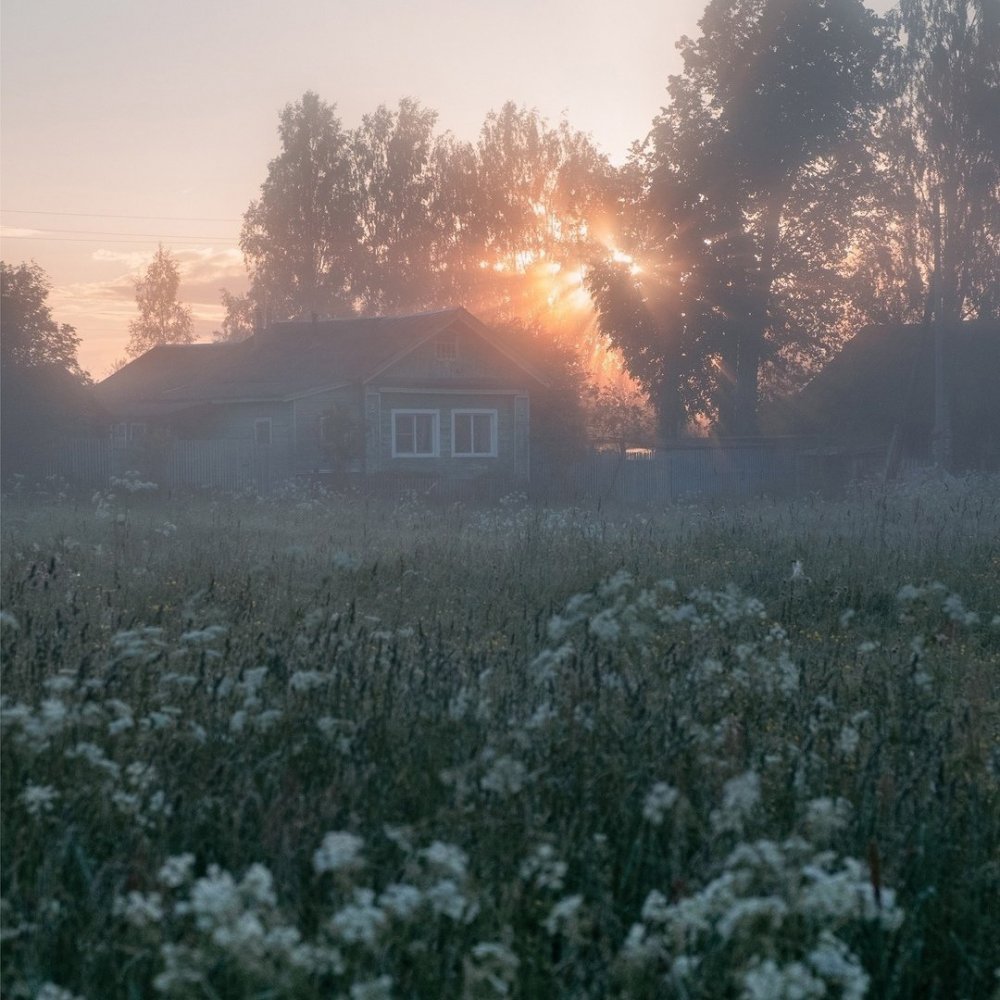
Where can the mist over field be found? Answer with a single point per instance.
(322, 745)
(496, 564)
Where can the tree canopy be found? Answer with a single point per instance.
(162, 319)
(31, 337)
(744, 201)
(937, 144)
(392, 216)
(790, 191)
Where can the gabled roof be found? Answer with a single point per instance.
(287, 360)
(884, 377)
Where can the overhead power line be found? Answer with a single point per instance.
(197, 240)
(102, 232)
(105, 215)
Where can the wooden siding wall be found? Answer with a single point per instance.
(475, 359)
(308, 411)
(235, 422)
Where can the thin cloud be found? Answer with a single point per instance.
(15, 232)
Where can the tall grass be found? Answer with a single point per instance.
(325, 746)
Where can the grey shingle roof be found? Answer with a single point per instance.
(283, 361)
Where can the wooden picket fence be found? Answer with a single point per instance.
(743, 469)
(225, 466)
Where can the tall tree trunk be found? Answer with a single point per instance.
(669, 405)
(750, 349)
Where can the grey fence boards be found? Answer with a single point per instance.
(699, 468)
(227, 466)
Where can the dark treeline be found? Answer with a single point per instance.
(816, 168)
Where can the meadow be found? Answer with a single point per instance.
(328, 746)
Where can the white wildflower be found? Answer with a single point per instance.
(543, 868)
(373, 989)
(740, 796)
(401, 900)
(834, 961)
(446, 858)
(39, 799)
(446, 898)
(505, 777)
(491, 967)
(955, 609)
(656, 909)
(345, 561)
(139, 909)
(267, 719)
(204, 636)
(659, 800)
(214, 899)
(307, 680)
(605, 626)
(564, 917)
(793, 981)
(258, 885)
(755, 910)
(825, 816)
(359, 922)
(176, 870)
(339, 851)
(50, 991)
(94, 756)
(847, 741)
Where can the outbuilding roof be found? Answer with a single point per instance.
(884, 377)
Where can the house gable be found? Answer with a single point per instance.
(462, 352)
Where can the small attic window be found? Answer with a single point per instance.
(446, 347)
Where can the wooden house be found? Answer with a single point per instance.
(437, 394)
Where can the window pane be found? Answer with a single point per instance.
(404, 434)
(483, 433)
(462, 444)
(424, 433)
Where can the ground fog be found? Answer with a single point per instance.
(322, 746)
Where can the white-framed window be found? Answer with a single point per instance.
(446, 347)
(262, 430)
(416, 433)
(474, 433)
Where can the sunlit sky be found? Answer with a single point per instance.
(125, 123)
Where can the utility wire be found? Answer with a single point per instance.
(102, 215)
(167, 240)
(102, 232)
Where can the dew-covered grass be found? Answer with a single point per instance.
(325, 746)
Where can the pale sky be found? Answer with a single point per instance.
(124, 123)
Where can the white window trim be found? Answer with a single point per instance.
(494, 424)
(435, 433)
(258, 421)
